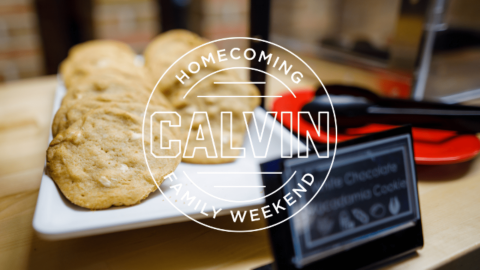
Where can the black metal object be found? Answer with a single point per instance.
(173, 14)
(259, 28)
(355, 107)
(63, 24)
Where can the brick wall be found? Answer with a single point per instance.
(20, 46)
(135, 22)
(224, 18)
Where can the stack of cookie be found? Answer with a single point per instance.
(96, 157)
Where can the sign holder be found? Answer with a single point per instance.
(384, 225)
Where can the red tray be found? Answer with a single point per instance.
(431, 146)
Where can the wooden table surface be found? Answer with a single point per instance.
(449, 202)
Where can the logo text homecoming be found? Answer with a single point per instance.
(235, 54)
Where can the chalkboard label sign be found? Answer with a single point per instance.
(368, 200)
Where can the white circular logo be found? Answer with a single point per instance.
(224, 137)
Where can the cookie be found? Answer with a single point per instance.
(60, 120)
(98, 162)
(67, 116)
(100, 56)
(203, 98)
(99, 46)
(167, 48)
(79, 72)
(100, 83)
(96, 50)
(160, 54)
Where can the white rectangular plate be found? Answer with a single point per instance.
(56, 218)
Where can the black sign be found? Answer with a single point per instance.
(369, 199)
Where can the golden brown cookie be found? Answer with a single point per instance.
(80, 71)
(98, 162)
(101, 83)
(204, 98)
(66, 116)
(100, 56)
(99, 46)
(106, 88)
(103, 79)
(60, 120)
(167, 48)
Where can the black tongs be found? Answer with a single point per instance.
(355, 107)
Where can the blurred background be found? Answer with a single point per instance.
(402, 48)
(410, 49)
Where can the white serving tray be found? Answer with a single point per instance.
(56, 218)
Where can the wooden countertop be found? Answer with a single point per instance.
(449, 202)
